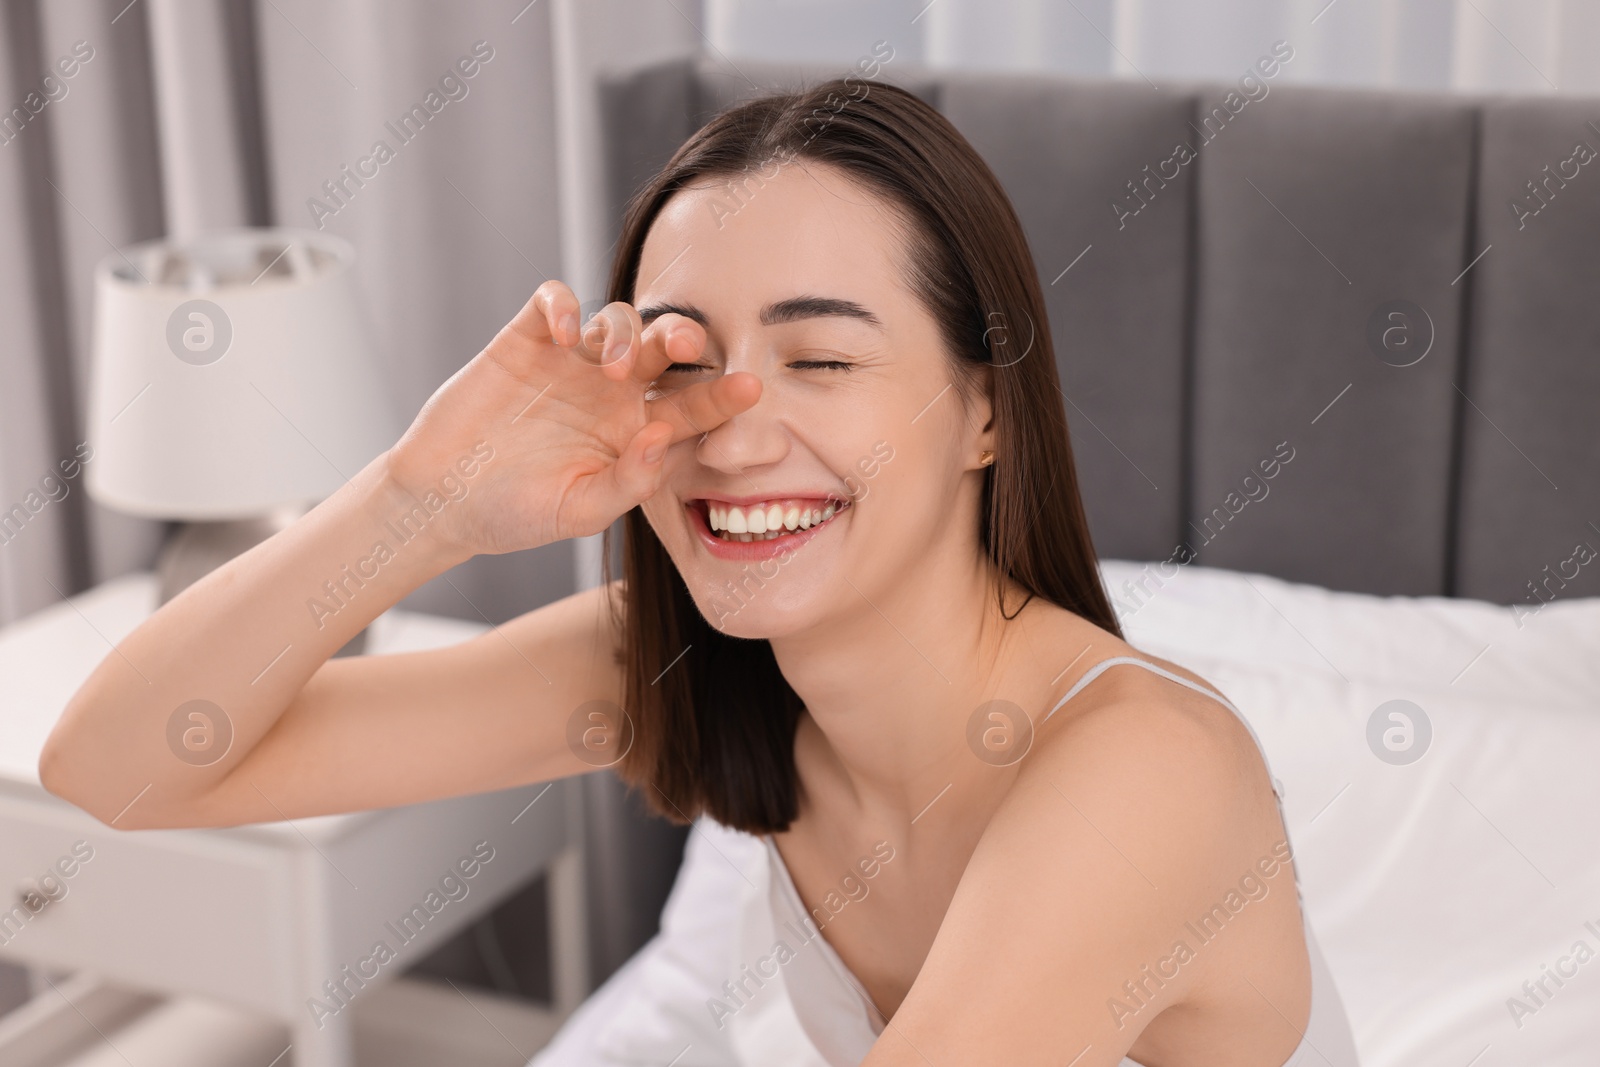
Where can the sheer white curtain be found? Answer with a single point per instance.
(1514, 46)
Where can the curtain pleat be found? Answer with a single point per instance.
(57, 220)
(105, 194)
(204, 95)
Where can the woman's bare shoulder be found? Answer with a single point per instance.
(1131, 731)
(1127, 708)
(1125, 820)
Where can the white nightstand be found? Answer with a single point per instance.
(261, 916)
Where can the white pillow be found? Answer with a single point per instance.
(1436, 887)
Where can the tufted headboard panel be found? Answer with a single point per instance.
(1335, 284)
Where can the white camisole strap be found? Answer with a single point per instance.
(1099, 668)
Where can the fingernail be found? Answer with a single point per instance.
(654, 453)
(568, 326)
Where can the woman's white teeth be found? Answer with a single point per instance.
(764, 521)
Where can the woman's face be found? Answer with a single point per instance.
(799, 279)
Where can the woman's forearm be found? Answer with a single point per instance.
(186, 696)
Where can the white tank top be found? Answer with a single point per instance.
(809, 1010)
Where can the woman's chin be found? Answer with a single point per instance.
(756, 614)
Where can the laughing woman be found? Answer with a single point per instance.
(859, 610)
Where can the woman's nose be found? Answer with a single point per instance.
(756, 437)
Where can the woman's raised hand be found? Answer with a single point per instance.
(549, 433)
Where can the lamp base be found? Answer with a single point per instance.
(195, 549)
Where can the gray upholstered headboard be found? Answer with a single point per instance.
(1245, 302)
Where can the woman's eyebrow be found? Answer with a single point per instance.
(791, 310)
(807, 307)
(647, 315)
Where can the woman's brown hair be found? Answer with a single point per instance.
(715, 732)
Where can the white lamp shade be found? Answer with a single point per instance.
(231, 374)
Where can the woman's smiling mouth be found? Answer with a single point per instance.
(761, 528)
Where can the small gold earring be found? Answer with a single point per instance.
(986, 457)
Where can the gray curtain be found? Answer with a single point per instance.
(181, 116)
(194, 115)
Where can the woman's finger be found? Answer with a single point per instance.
(550, 315)
(631, 480)
(669, 339)
(610, 339)
(704, 406)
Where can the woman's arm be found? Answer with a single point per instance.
(542, 436)
(1061, 942)
(313, 735)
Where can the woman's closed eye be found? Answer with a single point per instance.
(799, 364)
(822, 364)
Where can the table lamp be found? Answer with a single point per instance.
(233, 384)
